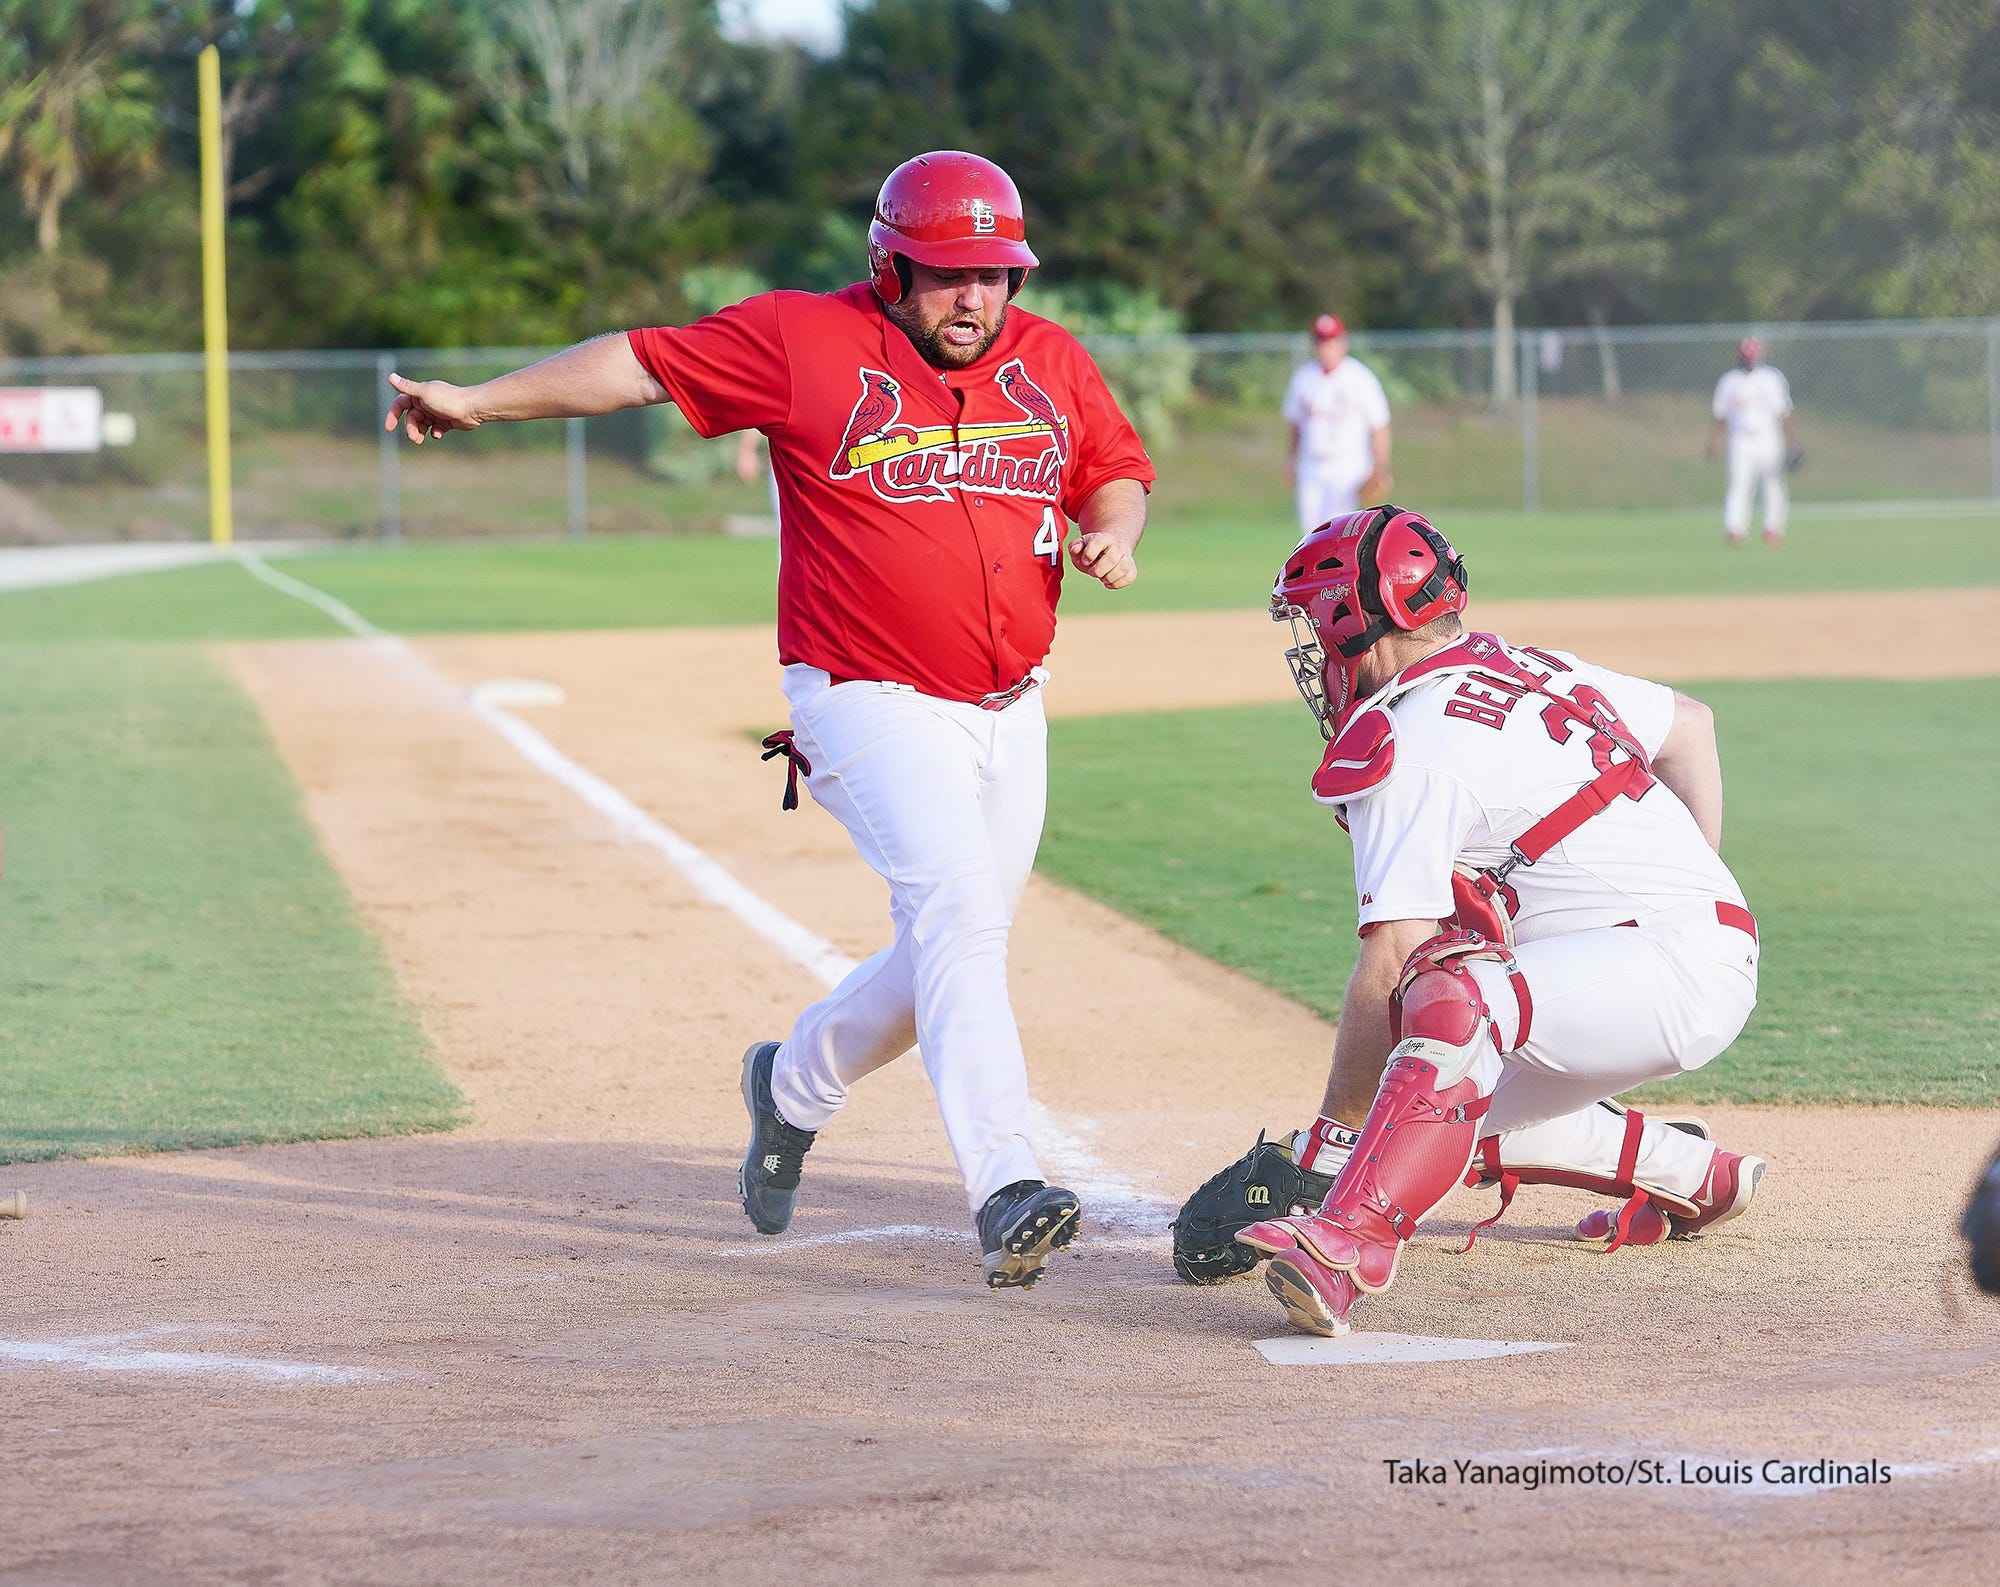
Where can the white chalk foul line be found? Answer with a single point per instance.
(115, 1353)
(929, 1233)
(812, 953)
(285, 584)
(1114, 1199)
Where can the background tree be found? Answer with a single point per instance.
(73, 101)
(518, 171)
(1202, 150)
(1851, 181)
(1528, 150)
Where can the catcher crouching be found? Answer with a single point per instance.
(1545, 923)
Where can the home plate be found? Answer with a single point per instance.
(1369, 1350)
(504, 692)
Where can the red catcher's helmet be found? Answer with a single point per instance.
(1351, 582)
(952, 211)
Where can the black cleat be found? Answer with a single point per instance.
(769, 1177)
(1981, 1228)
(1019, 1226)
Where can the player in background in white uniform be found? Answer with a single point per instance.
(1753, 408)
(1338, 456)
(1545, 921)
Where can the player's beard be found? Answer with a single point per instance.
(931, 345)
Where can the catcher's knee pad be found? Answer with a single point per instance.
(1437, 998)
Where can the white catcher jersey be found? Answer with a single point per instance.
(1336, 413)
(1477, 764)
(1753, 403)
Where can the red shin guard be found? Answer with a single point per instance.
(1415, 1145)
(1419, 1135)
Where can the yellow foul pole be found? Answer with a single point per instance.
(215, 311)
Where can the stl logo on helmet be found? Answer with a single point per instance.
(983, 217)
(930, 462)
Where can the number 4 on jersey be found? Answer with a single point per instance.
(1048, 538)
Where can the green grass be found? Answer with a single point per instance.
(1642, 452)
(466, 587)
(1197, 565)
(618, 582)
(1862, 824)
(179, 965)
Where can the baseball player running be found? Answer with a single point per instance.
(1338, 455)
(1753, 408)
(931, 447)
(1544, 919)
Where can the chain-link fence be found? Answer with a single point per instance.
(1606, 420)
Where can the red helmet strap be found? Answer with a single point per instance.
(1368, 583)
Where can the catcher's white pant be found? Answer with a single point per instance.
(1755, 461)
(1326, 490)
(1612, 1009)
(945, 801)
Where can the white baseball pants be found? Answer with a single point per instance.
(945, 801)
(1613, 1009)
(1325, 491)
(1755, 462)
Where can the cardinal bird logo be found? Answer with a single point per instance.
(934, 462)
(1034, 402)
(880, 406)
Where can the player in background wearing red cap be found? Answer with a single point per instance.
(931, 446)
(1338, 456)
(1753, 407)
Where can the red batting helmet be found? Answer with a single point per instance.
(1350, 583)
(950, 210)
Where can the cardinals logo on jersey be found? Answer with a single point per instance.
(929, 463)
(1034, 402)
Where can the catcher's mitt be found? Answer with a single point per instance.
(1795, 460)
(1263, 1183)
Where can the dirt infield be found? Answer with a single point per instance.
(550, 1349)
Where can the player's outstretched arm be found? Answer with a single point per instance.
(1112, 521)
(1690, 764)
(1361, 1046)
(603, 375)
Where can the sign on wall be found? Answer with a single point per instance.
(51, 419)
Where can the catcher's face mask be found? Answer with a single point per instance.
(1347, 585)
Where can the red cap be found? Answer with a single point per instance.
(1327, 327)
(1749, 349)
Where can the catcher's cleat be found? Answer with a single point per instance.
(769, 1178)
(1316, 1298)
(1724, 1194)
(1264, 1183)
(1019, 1226)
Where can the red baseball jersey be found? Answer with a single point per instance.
(923, 510)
